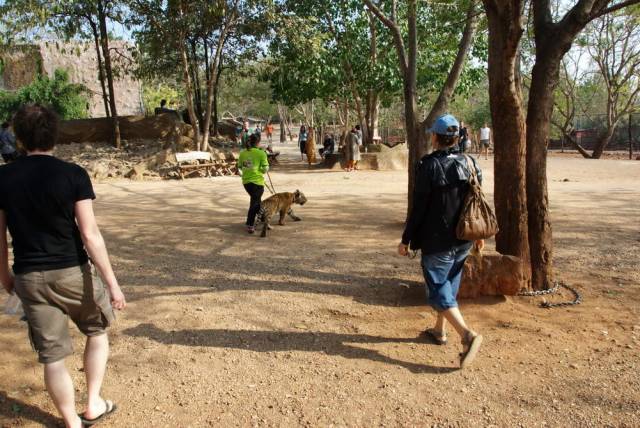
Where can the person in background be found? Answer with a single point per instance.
(442, 183)
(359, 134)
(353, 150)
(485, 140)
(46, 204)
(311, 146)
(269, 131)
(328, 146)
(244, 135)
(7, 144)
(464, 138)
(163, 108)
(253, 164)
(303, 136)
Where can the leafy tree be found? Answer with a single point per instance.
(84, 19)
(416, 18)
(196, 37)
(69, 100)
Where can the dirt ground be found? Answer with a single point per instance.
(319, 324)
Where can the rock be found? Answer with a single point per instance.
(492, 274)
(137, 172)
(97, 170)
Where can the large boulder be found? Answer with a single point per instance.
(492, 274)
(161, 126)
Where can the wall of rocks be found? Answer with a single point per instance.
(21, 65)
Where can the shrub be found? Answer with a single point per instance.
(69, 100)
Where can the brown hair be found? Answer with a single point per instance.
(36, 127)
(448, 140)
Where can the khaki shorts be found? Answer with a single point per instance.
(50, 298)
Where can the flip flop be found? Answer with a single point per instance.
(467, 357)
(434, 337)
(109, 409)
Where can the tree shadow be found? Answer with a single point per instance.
(281, 341)
(12, 408)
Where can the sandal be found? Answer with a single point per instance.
(110, 407)
(435, 337)
(473, 346)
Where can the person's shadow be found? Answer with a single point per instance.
(12, 408)
(278, 341)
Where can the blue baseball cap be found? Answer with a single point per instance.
(441, 125)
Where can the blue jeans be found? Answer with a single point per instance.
(442, 273)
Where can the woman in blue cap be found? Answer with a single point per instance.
(442, 182)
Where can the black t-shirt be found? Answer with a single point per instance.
(463, 134)
(37, 195)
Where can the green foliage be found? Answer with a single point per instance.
(473, 107)
(243, 94)
(69, 100)
(155, 91)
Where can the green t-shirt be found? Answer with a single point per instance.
(253, 164)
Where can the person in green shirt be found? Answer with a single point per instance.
(253, 165)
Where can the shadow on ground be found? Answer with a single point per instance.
(278, 341)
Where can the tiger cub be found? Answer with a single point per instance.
(279, 203)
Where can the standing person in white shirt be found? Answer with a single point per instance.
(485, 140)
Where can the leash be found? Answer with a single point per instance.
(577, 297)
(271, 189)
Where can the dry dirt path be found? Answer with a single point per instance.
(318, 324)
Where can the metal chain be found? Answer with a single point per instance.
(548, 305)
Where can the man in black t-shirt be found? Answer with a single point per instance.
(46, 204)
(464, 137)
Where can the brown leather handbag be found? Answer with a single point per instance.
(477, 219)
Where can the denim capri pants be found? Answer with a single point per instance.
(443, 273)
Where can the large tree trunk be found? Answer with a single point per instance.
(283, 122)
(210, 85)
(104, 38)
(544, 79)
(508, 123)
(373, 104)
(197, 87)
(103, 85)
(186, 75)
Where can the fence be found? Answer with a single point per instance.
(589, 129)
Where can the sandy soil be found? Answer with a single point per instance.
(318, 325)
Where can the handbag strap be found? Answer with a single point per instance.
(471, 167)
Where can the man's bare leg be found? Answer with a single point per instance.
(60, 387)
(96, 354)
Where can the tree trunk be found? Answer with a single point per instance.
(373, 99)
(603, 141)
(577, 146)
(372, 116)
(411, 100)
(104, 38)
(508, 124)
(211, 83)
(105, 96)
(216, 93)
(188, 94)
(197, 87)
(283, 123)
(544, 79)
